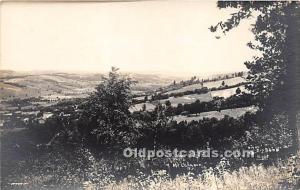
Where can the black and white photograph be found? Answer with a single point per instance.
(149, 95)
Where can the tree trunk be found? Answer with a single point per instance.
(291, 58)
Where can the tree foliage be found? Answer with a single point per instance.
(274, 75)
(106, 116)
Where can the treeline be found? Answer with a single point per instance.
(204, 90)
(195, 80)
(217, 104)
(211, 132)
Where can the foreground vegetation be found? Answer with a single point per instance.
(245, 178)
(85, 171)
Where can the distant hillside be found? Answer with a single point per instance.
(6, 73)
(46, 85)
(66, 85)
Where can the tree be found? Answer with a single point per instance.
(106, 116)
(179, 109)
(146, 98)
(144, 108)
(196, 108)
(223, 83)
(274, 76)
(238, 90)
(160, 121)
(168, 109)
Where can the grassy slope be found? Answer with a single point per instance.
(219, 115)
(213, 84)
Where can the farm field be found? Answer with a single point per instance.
(187, 99)
(229, 82)
(235, 113)
(138, 107)
(174, 101)
(226, 92)
(213, 84)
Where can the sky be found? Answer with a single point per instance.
(161, 37)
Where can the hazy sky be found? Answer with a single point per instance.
(152, 36)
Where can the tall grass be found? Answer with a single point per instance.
(256, 177)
